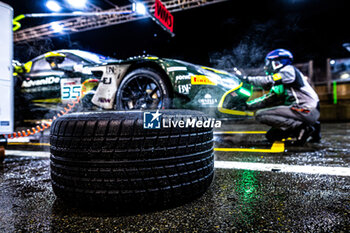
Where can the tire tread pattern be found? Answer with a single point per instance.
(104, 157)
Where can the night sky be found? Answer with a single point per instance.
(240, 32)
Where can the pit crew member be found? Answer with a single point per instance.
(291, 107)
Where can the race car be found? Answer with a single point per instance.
(49, 81)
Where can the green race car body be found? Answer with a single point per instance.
(144, 82)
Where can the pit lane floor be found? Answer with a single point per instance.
(293, 191)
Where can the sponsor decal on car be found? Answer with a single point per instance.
(184, 89)
(111, 69)
(41, 82)
(202, 80)
(208, 100)
(107, 80)
(234, 94)
(176, 68)
(104, 100)
(70, 89)
(182, 77)
(154, 120)
(41, 89)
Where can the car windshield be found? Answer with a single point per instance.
(92, 57)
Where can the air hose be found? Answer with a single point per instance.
(45, 125)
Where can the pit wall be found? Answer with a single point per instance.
(335, 102)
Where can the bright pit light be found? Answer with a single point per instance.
(77, 3)
(56, 27)
(139, 8)
(237, 71)
(53, 6)
(345, 76)
(332, 62)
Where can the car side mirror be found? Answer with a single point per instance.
(54, 59)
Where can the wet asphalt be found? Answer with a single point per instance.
(237, 201)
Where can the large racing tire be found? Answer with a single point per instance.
(109, 157)
(143, 88)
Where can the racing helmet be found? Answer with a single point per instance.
(277, 59)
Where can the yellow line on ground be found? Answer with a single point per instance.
(29, 143)
(277, 147)
(240, 132)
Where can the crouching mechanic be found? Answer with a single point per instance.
(295, 104)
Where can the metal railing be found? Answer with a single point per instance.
(85, 23)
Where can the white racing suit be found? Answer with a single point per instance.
(295, 101)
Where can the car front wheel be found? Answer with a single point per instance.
(143, 88)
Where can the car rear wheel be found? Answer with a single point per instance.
(109, 158)
(143, 88)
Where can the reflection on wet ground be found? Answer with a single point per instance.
(238, 200)
(333, 150)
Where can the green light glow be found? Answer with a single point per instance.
(335, 97)
(245, 91)
(247, 191)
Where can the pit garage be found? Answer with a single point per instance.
(136, 116)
